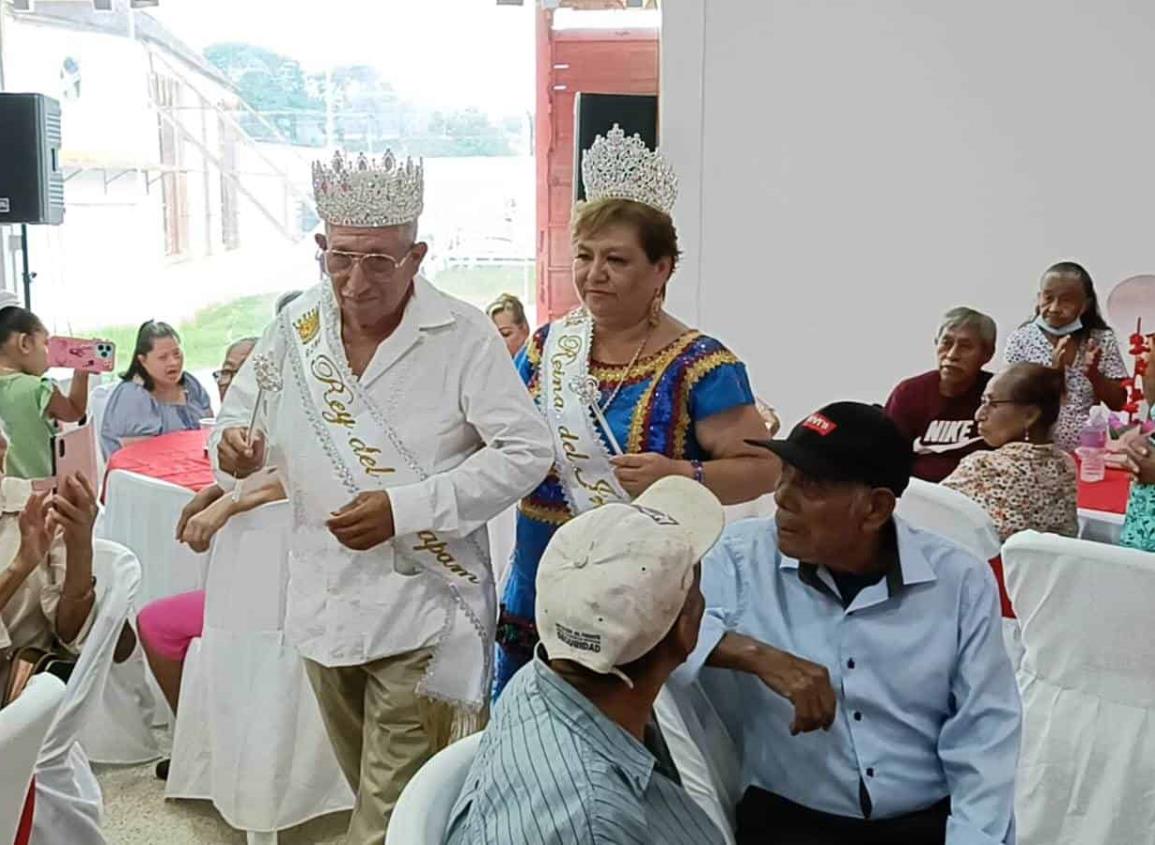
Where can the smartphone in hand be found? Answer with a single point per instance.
(74, 452)
(89, 356)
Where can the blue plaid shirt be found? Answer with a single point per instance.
(554, 770)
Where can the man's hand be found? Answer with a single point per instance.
(239, 457)
(637, 472)
(74, 512)
(35, 534)
(199, 502)
(365, 522)
(804, 684)
(1064, 353)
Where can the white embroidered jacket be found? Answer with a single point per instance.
(445, 383)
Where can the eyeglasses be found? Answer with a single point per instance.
(377, 266)
(223, 376)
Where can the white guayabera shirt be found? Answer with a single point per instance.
(445, 385)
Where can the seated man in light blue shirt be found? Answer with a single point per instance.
(618, 609)
(900, 656)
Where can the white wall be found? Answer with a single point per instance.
(850, 170)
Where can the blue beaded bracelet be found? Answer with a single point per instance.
(699, 471)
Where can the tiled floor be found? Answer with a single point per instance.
(136, 813)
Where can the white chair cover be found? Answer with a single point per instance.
(23, 725)
(141, 514)
(97, 401)
(422, 812)
(963, 520)
(951, 514)
(1087, 768)
(68, 799)
(120, 729)
(249, 735)
(703, 752)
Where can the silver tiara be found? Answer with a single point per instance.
(617, 167)
(369, 193)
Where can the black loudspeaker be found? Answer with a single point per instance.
(31, 184)
(596, 114)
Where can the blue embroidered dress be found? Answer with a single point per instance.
(691, 379)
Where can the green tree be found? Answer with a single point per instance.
(270, 83)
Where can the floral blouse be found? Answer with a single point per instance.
(1023, 486)
(1029, 345)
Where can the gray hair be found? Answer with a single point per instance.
(963, 317)
(241, 342)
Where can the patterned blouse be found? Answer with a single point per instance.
(1023, 486)
(1029, 345)
(1139, 526)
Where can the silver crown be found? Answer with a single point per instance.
(368, 193)
(617, 167)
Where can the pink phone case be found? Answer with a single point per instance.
(90, 356)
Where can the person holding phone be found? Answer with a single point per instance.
(47, 591)
(30, 404)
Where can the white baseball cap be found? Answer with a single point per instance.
(612, 582)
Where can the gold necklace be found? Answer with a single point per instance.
(627, 373)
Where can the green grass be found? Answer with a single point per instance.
(206, 335)
(209, 332)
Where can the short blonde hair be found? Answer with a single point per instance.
(509, 304)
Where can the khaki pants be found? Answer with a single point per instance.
(381, 730)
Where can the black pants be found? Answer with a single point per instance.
(768, 819)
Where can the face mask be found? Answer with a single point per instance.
(1062, 331)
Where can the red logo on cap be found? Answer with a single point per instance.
(820, 424)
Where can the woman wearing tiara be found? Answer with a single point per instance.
(631, 394)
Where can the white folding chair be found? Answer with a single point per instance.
(23, 725)
(963, 520)
(421, 816)
(1088, 683)
(68, 799)
(702, 751)
(249, 735)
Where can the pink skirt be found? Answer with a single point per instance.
(168, 625)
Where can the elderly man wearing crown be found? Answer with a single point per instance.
(398, 428)
(631, 394)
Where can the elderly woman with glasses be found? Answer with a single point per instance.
(1026, 482)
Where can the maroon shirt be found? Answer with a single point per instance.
(941, 429)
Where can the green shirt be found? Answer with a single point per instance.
(23, 409)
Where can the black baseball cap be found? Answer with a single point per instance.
(848, 441)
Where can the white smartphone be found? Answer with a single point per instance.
(73, 452)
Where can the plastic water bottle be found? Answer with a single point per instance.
(1092, 449)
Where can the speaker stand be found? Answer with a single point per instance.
(28, 275)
